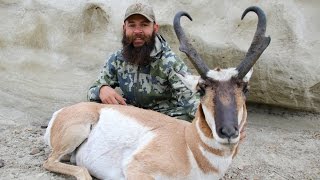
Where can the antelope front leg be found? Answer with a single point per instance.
(53, 164)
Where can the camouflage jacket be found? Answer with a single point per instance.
(155, 86)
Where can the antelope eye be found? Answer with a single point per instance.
(243, 85)
(245, 88)
(239, 83)
(201, 88)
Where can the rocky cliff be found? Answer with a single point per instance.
(52, 50)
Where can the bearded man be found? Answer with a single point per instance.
(145, 69)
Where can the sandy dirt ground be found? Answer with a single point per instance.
(280, 144)
(51, 51)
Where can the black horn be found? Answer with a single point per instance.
(186, 47)
(259, 43)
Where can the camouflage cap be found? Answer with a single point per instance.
(142, 9)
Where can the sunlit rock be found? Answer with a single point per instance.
(52, 51)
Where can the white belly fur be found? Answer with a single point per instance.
(111, 145)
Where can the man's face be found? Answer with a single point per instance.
(138, 30)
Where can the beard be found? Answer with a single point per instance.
(138, 55)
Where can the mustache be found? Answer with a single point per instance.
(129, 40)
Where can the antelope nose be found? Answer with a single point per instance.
(229, 132)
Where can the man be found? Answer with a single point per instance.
(145, 69)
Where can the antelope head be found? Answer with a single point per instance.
(223, 91)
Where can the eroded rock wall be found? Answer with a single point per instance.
(52, 51)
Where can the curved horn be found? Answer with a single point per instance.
(186, 47)
(258, 45)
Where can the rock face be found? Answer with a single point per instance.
(52, 51)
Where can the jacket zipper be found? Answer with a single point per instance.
(137, 87)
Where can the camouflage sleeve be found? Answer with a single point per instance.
(107, 77)
(187, 100)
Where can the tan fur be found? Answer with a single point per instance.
(72, 127)
(203, 124)
(209, 104)
(193, 140)
(158, 152)
(241, 129)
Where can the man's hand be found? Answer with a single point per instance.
(110, 96)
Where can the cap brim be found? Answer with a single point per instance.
(149, 18)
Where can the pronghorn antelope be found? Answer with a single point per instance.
(125, 142)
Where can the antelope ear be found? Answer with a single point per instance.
(248, 75)
(190, 81)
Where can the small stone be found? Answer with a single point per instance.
(28, 129)
(256, 178)
(1, 163)
(35, 151)
(44, 126)
(316, 135)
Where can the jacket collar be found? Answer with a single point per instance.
(159, 47)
